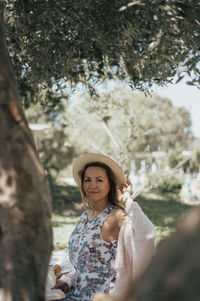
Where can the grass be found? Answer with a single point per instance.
(163, 210)
(62, 228)
(66, 213)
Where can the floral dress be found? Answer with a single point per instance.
(92, 257)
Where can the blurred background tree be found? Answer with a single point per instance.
(120, 123)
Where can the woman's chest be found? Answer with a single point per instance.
(86, 232)
(87, 239)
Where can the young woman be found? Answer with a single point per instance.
(95, 249)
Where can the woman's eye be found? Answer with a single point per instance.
(86, 180)
(99, 180)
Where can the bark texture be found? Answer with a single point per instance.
(25, 203)
(173, 274)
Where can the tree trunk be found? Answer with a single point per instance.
(25, 203)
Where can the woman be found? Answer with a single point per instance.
(94, 242)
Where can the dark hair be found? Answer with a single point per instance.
(112, 195)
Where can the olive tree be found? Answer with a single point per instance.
(49, 43)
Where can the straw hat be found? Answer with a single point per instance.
(84, 159)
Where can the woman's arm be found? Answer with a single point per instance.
(135, 242)
(123, 194)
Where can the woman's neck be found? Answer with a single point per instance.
(98, 209)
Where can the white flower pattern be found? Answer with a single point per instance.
(92, 257)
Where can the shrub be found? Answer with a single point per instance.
(175, 157)
(165, 183)
(193, 164)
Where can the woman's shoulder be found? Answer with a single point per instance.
(119, 215)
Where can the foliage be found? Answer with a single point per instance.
(145, 41)
(123, 123)
(55, 154)
(193, 163)
(175, 157)
(190, 163)
(120, 123)
(165, 182)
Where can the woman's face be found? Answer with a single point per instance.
(96, 185)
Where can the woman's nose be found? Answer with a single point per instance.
(93, 184)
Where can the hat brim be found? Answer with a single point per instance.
(84, 159)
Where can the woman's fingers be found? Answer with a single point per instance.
(124, 192)
(119, 193)
(59, 284)
(127, 186)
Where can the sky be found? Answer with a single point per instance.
(187, 96)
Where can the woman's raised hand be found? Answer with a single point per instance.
(124, 192)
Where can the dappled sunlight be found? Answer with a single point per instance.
(163, 232)
(5, 295)
(165, 215)
(58, 221)
(67, 201)
(168, 220)
(7, 188)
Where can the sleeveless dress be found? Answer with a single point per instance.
(92, 257)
